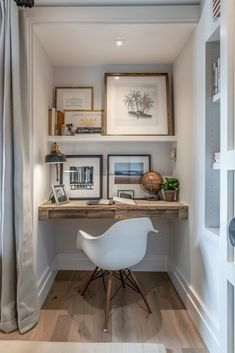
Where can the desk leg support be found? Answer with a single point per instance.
(108, 299)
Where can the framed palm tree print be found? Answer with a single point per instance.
(137, 104)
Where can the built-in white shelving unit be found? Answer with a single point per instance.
(212, 142)
(102, 138)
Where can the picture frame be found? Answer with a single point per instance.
(124, 172)
(137, 104)
(128, 194)
(87, 121)
(74, 98)
(59, 194)
(83, 177)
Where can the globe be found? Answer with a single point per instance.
(151, 182)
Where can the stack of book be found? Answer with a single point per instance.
(216, 77)
(216, 160)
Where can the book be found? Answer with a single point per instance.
(124, 201)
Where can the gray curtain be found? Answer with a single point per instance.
(18, 291)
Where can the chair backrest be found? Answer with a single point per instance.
(122, 246)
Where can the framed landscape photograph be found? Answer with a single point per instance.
(73, 98)
(87, 121)
(137, 104)
(124, 174)
(83, 176)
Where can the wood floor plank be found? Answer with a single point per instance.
(74, 318)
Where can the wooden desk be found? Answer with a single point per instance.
(79, 209)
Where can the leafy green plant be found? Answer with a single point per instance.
(170, 184)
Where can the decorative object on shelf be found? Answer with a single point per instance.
(59, 194)
(85, 121)
(151, 183)
(25, 3)
(57, 158)
(83, 176)
(231, 231)
(74, 98)
(125, 172)
(126, 194)
(137, 104)
(170, 188)
(172, 154)
(216, 78)
(216, 9)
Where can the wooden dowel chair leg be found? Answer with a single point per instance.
(89, 281)
(141, 291)
(108, 299)
(122, 280)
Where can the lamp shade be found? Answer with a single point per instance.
(55, 156)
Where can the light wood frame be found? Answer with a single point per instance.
(170, 120)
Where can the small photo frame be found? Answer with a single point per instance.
(89, 121)
(83, 177)
(125, 172)
(59, 194)
(126, 194)
(74, 98)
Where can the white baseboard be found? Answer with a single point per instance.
(206, 325)
(46, 281)
(68, 261)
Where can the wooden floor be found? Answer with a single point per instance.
(67, 317)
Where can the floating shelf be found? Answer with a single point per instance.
(216, 98)
(99, 138)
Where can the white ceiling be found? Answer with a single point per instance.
(92, 44)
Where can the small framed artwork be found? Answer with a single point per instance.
(74, 98)
(137, 104)
(126, 194)
(124, 174)
(85, 122)
(83, 176)
(59, 194)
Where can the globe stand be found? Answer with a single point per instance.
(153, 197)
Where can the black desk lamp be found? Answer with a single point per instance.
(56, 157)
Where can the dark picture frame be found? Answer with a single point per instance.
(138, 104)
(124, 171)
(59, 194)
(83, 176)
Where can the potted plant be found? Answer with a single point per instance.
(169, 188)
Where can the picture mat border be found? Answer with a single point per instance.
(170, 118)
(79, 87)
(125, 155)
(55, 195)
(98, 156)
(101, 111)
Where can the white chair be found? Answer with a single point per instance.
(122, 246)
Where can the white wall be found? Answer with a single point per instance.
(42, 99)
(157, 253)
(194, 253)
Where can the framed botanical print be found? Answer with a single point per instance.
(83, 176)
(137, 104)
(73, 98)
(124, 174)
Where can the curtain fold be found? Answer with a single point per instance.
(18, 290)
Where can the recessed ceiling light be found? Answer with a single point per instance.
(119, 42)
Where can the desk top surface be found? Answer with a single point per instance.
(80, 209)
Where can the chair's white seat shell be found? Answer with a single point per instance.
(122, 246)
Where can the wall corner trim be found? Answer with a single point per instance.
(207, 326)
